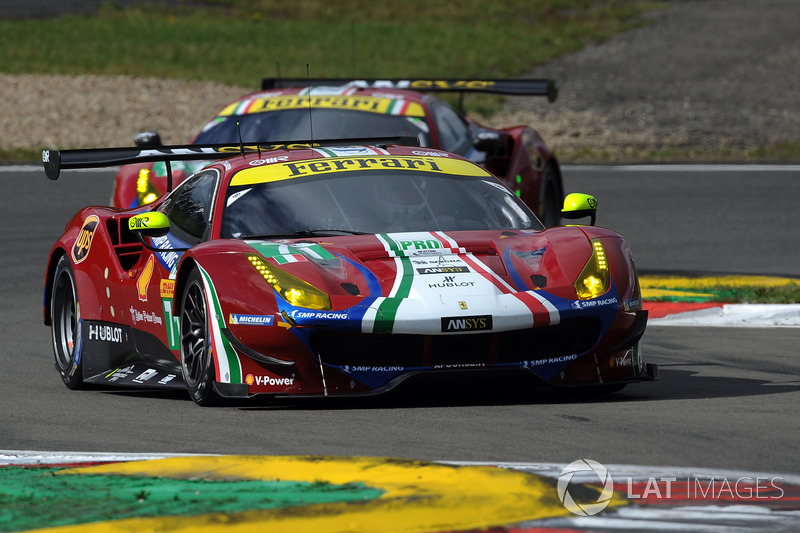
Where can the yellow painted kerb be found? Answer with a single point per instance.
(418, 497)
(654, 286)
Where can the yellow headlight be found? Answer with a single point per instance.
(594, 279)
(292, 289)
(144, 189)
(143, 181)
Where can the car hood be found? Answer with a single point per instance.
(411, 282)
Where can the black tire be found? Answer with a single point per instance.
(197, 363)
(65, 324)
(550, 202)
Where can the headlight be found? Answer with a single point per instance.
(594, 278)
(292, 289)
(145, 191)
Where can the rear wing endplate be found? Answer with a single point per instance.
(517, 87)
(56, 160)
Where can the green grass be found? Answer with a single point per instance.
(785, 294)
(237, 42)
(788, 294)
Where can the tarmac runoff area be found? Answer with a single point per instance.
(100, 493)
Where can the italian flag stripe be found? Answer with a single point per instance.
(228, 367)
(400, 291)
(387, 309)
(325, 152)
(397, 107)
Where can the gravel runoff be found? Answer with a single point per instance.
(704, 76)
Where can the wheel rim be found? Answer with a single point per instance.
(65, 320)
(194, 325)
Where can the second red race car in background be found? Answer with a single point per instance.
(339, 108)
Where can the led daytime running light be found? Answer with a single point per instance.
(143, 180)
(294, 290)
(144, 190)
(594, 279)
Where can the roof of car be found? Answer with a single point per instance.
(384, 101)
(278, 165)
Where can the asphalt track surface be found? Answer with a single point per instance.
(727, 397)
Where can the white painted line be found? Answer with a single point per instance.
(26, 457)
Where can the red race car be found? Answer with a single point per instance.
(334, 269)
(299, 109)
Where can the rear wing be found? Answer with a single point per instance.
(516, 87)
(56, 160)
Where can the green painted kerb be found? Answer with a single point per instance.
(33, 497)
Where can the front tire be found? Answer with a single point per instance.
(550, 201)
(66, 324)
(197, 363)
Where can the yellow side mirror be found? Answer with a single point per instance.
(579, 205)
(152, 224)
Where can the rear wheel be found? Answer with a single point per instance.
(197, 363)
(65, 325)
(550, 201)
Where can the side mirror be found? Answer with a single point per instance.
(490, 142)
(579, 205)
(151, 224)
(147, 139)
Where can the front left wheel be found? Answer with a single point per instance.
(197, 362)
(65, 325)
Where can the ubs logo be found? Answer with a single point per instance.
(84, 241)
(466, 323)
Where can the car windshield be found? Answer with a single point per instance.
(296, 125)
(371, 201)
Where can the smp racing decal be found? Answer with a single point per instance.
(587, 304)
(168, 257)
(84, 241)
(548, 367)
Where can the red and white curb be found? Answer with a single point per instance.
(669, 499)
(723, 315)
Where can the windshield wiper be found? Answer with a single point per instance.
(318, 232)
